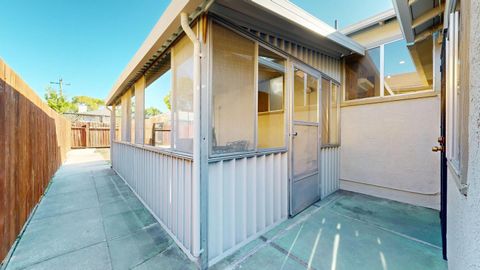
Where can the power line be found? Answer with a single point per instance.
(60, 85)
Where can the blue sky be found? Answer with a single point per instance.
(347, 12)
(89, 42)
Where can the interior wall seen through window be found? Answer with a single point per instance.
(271, 93)
(362, 75)
(330, 112)
(233, 90)
(326, 93)
(305, 88)
(334, 115)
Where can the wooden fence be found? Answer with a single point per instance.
(34, 140)
(89, 134)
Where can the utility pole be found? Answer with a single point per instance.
(60, 85)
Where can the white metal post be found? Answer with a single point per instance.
(139, 110)
(196, 136)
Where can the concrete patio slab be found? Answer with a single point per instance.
(348, 231)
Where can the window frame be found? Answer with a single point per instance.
(455, 144)
(169, 149)
(173, 98)
(339, 101)
(284, 101)
(257, 44)
(382, 96)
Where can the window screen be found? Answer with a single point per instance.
(182, 66)
(305, 97)
(233, 90)
(158, 126)
(118, 122)
(132, 117)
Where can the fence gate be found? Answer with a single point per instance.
(86, 135)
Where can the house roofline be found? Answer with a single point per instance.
(163, 33)
(168, 29)
(299, 16)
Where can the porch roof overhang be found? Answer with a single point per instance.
(278, 17)
(283, 19)
(162, 35)
(418, 19)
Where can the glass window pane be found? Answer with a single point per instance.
(158, 110)
(305, 145)
(118, 122)
(233, 90)
(183, 95)
(362, 75)
(305, 97)
(326, 91)
(271, 89)
(334, 114)
(132, 117)
(401, 73)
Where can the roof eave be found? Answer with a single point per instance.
(164, 29)
(299, 16)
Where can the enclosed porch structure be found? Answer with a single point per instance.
(228, 120)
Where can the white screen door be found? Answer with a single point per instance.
(305, 183)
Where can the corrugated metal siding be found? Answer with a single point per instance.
(246, 196)
(329, 170)
(329, 65)
(163, 182)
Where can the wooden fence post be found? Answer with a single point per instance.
(87, 132)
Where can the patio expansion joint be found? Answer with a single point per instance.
(386, 229)
(60, 255)
(269, 242)
(62, 214)
(103, 221)
(291, 256)
(154, 255)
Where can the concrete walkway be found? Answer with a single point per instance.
(89, 219)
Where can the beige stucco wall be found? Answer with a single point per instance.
(386, 150)
(463, 212)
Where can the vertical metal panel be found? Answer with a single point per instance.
(163, 182)
(327, 64)
(330, 170)
(246, 196)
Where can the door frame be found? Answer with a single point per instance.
(292, 64)
(443, 157)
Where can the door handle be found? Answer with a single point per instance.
(437, 149)
(294, 134)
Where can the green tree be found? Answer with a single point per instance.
(166, 100)
(58, 103)
(91, 102)
(151, 111)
